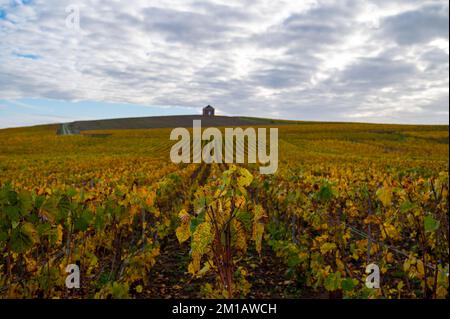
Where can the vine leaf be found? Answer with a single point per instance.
(431, 224)
(23, 238)
(183, 231)
(200, 241)
(258, 227)
(384, 194)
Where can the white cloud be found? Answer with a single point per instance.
(313, 60)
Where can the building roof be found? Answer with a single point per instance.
(208, 107)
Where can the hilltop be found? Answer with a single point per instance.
(163, 122)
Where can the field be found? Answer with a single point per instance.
(139, 226)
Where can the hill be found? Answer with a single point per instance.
(161, 122)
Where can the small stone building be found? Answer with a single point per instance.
(208, 111)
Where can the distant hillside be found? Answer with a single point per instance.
(162, 122)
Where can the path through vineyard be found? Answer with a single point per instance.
(169, 277)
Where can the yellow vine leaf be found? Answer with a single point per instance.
(200, 241)
(183, 231)
(245, 178)
(258, 227)
(204, 270)
(441, 292)
(420, 269)
(241, 240)
(59, 234)
(384, 194)
(327, 247)
(258, 235)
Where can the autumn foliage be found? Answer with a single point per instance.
(344, 196)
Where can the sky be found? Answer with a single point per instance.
(384, 61)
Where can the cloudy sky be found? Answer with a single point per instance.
(365, 61)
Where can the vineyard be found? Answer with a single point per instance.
(139, 226)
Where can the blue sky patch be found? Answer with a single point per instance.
(27, 56)
(32, 111)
